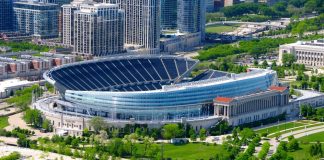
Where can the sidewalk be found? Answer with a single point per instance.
(17, 121)
(303, 132)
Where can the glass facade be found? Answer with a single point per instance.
(38, 19)
(168, 14)
(163, 105)
(6, 18)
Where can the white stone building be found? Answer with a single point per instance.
(253, 107)
(309, 53)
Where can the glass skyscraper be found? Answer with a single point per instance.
(6, 15)
(168, 14)
(191, 16)
(36, 18)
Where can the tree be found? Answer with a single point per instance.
(192, 134)
(171, 131)
(47, 125)
(300, 29)
(104, 156)
(90, 154)
(264, 150)
(130, 141)
(153, 150)
(255, 63)
(116, 147)
(288, 59)
(97, 123)
(75, 143)
(246, 135)
(33, 117)
(265, 64)
(68, 140)
(256, 140)
(316, 149)
(202, 134)
(147, 141)
(310, 6)
(251, 149)
(293, 145)
(103, 136)
(76, 153)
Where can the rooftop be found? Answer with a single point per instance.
(35, 3)
(9, 83)
(223, 99)
(277, 88)
(314, 43)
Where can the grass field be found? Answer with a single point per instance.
(218, 28)
(313, 138)
(3, 122)
(303, 153)
(190, 151)
(280, 127)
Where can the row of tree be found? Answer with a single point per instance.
(253, 47)
(23, 98)
(312, 113)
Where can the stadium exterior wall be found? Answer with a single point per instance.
(190, 100)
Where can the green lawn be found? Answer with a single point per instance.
(190, 151)
(218, 28)
(279, 128)
(313, 137)
(303, 153)
(3, 122)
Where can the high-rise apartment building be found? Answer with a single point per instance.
(98, 29)
(142, 23)
(168, 14)
(67, 24)
(60, 3)
(191, 16)
(36, 18)
(210, 5)
(6, 15)
(68, 20)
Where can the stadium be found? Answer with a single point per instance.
(147, 89)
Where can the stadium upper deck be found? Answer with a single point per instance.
(135, 73)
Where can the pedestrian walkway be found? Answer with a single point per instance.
(296, 128)
(16, 120)
(303, 132)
